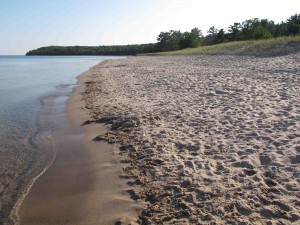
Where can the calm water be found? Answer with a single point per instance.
(25, 83)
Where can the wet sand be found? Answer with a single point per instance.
(82, 186)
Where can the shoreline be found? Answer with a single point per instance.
(14, 215)
(199, 139)
(80, 167)
(44, 141)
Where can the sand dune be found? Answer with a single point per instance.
(204, 138)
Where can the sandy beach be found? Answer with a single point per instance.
(204, 139)
(177, 140)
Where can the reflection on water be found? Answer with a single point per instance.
(28, 88)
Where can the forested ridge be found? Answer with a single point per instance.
(251, 29)
(95, 50)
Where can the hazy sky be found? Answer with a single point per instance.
(29, 24)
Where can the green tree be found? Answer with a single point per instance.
(248, 28)
(269, 25)
(169, 41)
(213, 31)
(293, 24)
(253, 29)
(191, 39)
(211, 37)
(281, 29)
(234, 32)
(221, 36)
(259, 32)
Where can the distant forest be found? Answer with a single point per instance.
(95, 50)
(252, 29)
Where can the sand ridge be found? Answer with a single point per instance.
(205, 138)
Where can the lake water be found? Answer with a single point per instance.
(29, 86)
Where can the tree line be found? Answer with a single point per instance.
(95, 50)
(251, 29)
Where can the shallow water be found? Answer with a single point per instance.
(28, 88)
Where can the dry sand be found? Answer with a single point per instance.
(83, 185)
(204, 139)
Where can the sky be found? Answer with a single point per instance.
(30, 24)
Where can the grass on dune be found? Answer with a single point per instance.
(267, 47)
